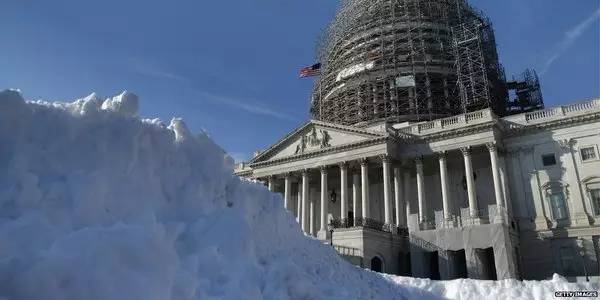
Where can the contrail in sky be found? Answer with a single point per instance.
(570, 38)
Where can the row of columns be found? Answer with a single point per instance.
(401, 183)
(471, 189)
(360, 190)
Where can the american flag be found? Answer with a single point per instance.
(310, 71)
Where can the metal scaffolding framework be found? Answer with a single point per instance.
(406, 60)
(527, 93)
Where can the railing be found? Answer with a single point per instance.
(426, 126)
(451, 122)
(488, 215)
(348, 251)
(500, 214)
(467, 218)
(341, 223)
(481, 116)
(541, 114)
(581, 106)
(476, 115)
(554, 113)
(430, 247)
(361, 222)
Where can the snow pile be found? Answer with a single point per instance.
(96, 203)
(487, 289)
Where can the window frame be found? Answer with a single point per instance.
(552, 188)
(595, 204)
(592, 183)
(594, 147)
(546, 155)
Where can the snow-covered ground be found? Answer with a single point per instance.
(96, 203)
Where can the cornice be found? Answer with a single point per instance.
(320, 152)
(343, 128)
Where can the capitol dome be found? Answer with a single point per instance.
(403, 60)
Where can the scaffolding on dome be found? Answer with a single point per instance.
(527, 93)
(406, 60)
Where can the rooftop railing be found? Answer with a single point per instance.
(336, 223)
(515, 121)
(476, 117)
(554, 113)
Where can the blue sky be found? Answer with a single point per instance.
(230, 67)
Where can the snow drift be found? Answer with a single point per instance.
(96, 203)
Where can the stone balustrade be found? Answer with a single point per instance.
(516, 121)
(348, 251)
(472, 118)
(554, 113)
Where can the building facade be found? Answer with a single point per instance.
(468, 196)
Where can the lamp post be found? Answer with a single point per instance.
(580, 244)
(330, 228)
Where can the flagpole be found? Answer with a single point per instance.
(320, 96)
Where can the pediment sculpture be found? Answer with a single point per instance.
(315, 139)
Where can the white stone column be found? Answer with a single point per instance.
(506, 193)
(356, 196)
(312, 217)
(324, 201)
(421, 190)
(305, 199)
(471, 192)
(493, 149)
(398, 198)
(271, 183)
(387, 190)
(448, 222)
(364, 174)
(343, 191)
(407, 185)
(287, 193)
(299, 204)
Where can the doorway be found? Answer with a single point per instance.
(404, 267)
(458, 264)
(487, 263)
(377, 264)
(433, 265)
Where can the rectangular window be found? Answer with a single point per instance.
(559, 208)
(595, 194)
(588, 153)
(549, 160)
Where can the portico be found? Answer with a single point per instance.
(336, 200)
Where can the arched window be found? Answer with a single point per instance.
(377, 264)
(556, 197)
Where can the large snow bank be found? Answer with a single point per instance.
(96, 203)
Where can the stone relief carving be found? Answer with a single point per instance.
(315, 139)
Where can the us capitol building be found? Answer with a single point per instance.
(422, 159)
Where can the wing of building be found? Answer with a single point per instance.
(472, 195)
